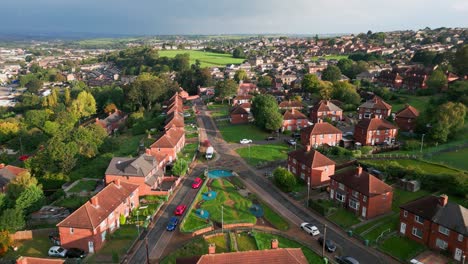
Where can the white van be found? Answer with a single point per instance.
(209, 153)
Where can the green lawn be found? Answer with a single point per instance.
(245, 242)
(401, 247)
(426, 167)
(343, 218)
(117, 244)
(220, 242)
(418, 102)
(84, 185)
(72, 202)
(188, 151)
(195, 247)
(456, 159)
(401, 197)
(234, 133)
(274, 218)
(219, 110)
(207, 59)
(37, 247)
(263, 153)
(387, 224)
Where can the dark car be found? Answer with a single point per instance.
(75, 253)
(172, 223)
(346, 260)
(329, 245)
(296, 135)
(290, 142)
(270, 138)
(54, 238)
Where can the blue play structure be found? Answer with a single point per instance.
(256, 210)
(208, 196)
(202, 213)
(219, 173)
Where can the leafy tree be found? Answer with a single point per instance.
(284, 179)
(67, 96)
(238, 53)
(458, 92)
(226, 89)
(108, 95)
(37, 118)
(8, 129)
(89, 139)
(331, 73)
(326, 90)
(110, 108)
(437, 81)
(331, 42)
(346, 66)
(34, 86)
(12, 220)
(51, 100)
(181, 62)
(311, 83)
(84, 105)
(240, 75)
(31, 199)
(274, 121)
(180, 167)
(460, 61)
(346, 93)
(146, 91)
(264, 81)
(5, 242)
(266, 112)
(425, 57)
(447, 120)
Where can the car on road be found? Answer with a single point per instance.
(310, 229)
(330, 246)
(197, 183)
(57, 251)
(171, 226)
(75, 253)
(245, 141)
(270, 138)
(346, 260)
(290, 142)
(180, 209)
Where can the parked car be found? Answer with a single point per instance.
(296, 135)
(187, 114)
(310, 229)
(245, 141)
(346, 260)
(197, 183)
(172, 223)
(57, 251)
(270, 138)
(329, 245)
(290, 142)
(180, 209)
(24, 157)
(75, 253)
(54, 238)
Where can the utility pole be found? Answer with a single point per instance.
(308, 191)
(324, 239)
(422, 142)
(147, 251)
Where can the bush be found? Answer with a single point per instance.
(411, 144)
(366, 150)
(284, 179)
(122, 219)
(180, 167)
(340, 152)
(356, 153)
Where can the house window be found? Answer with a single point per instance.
(417, 232)
(131, 195)
(418, 219)
(294, 161)
(112, 226)
(72, 230)
(460, 237)
(353, 204)
(367, 115)
(111, 215)
(444, 230)
(364, 198)
(386, 132)
(103, 225)
(103, 236)
(341, 186)
(340, 197)
(355, 194)
(441, 244)
(378, 132)
(405, 213)
(303, 176)
(294, 170)
(321, 136)
(377, 111)
(303, 166)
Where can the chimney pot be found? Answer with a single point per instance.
(2, 165)
(212, 248)
(359, 170)
(443, 200)
(308, 147)
(274, 243)
(148, 151)
(117, 182)
(94, 201)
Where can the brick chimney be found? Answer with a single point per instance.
(443, 200)
(2, 165)
(212, 248)
(94, 201)
(148, 152)
(274, 243)
(359, 170)
(319, 121)
(117, 182)
(308, 147)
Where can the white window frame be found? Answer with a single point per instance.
(442, 244)
(418, 219)
(444, 230)
(364, 198)
(103, 225)
(111, 215)
(355, 194)
(460, 238)
(72, 230)
(343, 197)
(103, 236)
(341, 186)
(405, 213)
(353, 204)
(415, 233)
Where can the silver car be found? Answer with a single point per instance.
(57, 251)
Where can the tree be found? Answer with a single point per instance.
(89, 139)
(266, 112)
(460, 61)
(326, 90)
(238, 53)
(311, 83)
(180, 167)
(437, 81)
(425, 57)
(274, 121)
(447, 120)
(226, 89)
(331, 73)
(8, 129)
(147, 90)
(5, 242)
(458, 92)
(34, 86)
(37, 118)
(31, 199)
(110, 108)
(346, 93)
(12, 220)
(284, 179)
(84, 105)
(21, 182)
(264, 81)
(240, 75)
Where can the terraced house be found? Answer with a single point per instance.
(437, 223)
(376, 107)
(294, 120)
(321, 133)
(375, 131)
(325, 109)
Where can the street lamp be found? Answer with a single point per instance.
(308, 191)
(138, 223)
(422, 142)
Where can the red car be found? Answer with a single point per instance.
(24, 157)
(196, 183)
(180, 209)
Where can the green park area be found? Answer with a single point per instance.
(234, 133)
(418, 102)
(207, 59)
(219, 110)
(261, 154)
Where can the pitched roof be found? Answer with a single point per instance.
(89, 216)
(293, 115)
(8, 173)
(169, 139)
(375, 124)
(325, 106)
(320, 129)
(376, 103)
(174, 119)
(452, 216)
(290, 103)
(33, 260)
(312, 159)
(408, 112)
(239, 110)
(271, 256)
(137, 167)
(363, 182)
(243, 97)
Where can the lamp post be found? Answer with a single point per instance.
(138, 223)
(308, 191)
(422, 142)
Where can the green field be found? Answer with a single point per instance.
(425, 167)
(456, 159)
(256, 155)
(401, 247)
(234, 133)
(418, 102)
(207, 59)
(219, 110)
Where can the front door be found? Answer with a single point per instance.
(403, 228)
(458, 254)
(90, 247)
(364, 212)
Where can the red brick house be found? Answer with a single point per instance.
(246, 88)
(375, 131)
(174, 119)
(88, 226)
(289, 105)
(361, 192)
(406, 118)
(239, 115)
(437, 223)
(33, 260)
(310, 164)
(294, 120)
(168, 145)
(145, 171)
(390, 78)
(325, 109)
(241, 99)
(376, 107)
(321, 133)
(7, 174)
(112, 122)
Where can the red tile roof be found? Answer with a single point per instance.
(408, 112)
(239, 110)
(375, 124)
(33, 260)
(289, 104)
(312, 159)
(89, 216)
(364, 182)
(293, 115)
(169, 139)
(321, 129)
(272, 256)
(376, 103)
(325, 106)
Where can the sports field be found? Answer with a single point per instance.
(207, 59)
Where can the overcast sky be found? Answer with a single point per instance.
(148, 17)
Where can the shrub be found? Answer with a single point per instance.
(284, 179)
(411, 144)
(366, 150)
(340, 152)
(356, 153)
(180, 167)
(122, 219)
